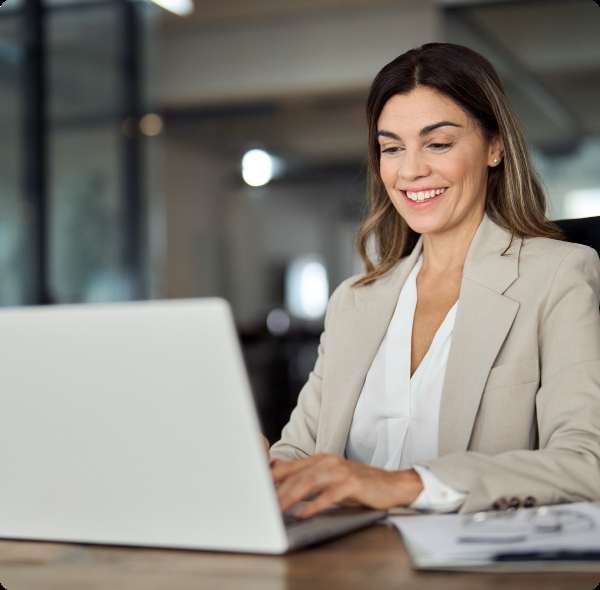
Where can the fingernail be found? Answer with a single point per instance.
(301, 512)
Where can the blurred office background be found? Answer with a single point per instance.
(220, 151)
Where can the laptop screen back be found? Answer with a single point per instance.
(131, 424)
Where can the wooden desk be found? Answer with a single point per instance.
(369, 559)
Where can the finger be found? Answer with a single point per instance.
(275, 462)
(284, 469)
(308, 482)
(328, 498)
(308, 472)
(296, 489)
(287, 468)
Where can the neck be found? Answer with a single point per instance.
(447, 251)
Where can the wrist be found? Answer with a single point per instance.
(408, 485)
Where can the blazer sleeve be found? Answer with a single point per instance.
(566, 467)
(298, 438)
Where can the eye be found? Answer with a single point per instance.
(440, 146)
(390, 150)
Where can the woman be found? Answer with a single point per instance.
(462, 370)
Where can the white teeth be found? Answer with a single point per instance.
(424, 195)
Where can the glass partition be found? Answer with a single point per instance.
(15, 217)
(86, 205)
(98, 66)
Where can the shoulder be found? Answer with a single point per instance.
(344, 295)
(556, 249)
(556, 253)
(349, 295)
(558, 260)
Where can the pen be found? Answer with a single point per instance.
(549, 556)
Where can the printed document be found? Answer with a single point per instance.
(566, 531)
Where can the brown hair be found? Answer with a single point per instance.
(515, 198)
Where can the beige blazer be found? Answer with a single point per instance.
(520, 410)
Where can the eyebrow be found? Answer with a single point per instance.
(435, 126)
(387, 134)
(423, 131)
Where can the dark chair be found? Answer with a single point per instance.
(582, 231)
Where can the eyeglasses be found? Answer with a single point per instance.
(517, 525)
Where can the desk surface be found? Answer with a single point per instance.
(372, 558)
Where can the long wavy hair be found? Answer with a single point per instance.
(515, 199)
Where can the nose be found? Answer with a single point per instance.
(413, 165)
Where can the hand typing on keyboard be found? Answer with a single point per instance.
(332, 480)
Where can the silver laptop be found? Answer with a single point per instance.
(134, 424)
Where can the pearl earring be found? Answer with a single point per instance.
(495, 160)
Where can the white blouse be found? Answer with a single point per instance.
(396, 420)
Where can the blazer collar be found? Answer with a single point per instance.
(492, 260)
(483, 319)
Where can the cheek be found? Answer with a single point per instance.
(454, 168)
(388, 172)
(469, 164)
(461, 168)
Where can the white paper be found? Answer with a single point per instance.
(447, 538)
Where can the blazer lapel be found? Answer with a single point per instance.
(483, 320)
(352, 345)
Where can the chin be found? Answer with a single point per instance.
(424, 226)
(424, 223)
(424, 217)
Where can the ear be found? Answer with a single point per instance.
(495, 150)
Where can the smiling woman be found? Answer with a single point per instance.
(467, 87)
(462, 370)
(435, 175)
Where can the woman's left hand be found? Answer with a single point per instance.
(333, 480)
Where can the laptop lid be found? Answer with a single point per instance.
(132, 424)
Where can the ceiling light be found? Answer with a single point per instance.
(257, 167)
(179, 7)
(151, 124)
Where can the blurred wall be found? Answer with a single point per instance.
(280, 56)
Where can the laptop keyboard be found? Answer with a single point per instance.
(290, 520)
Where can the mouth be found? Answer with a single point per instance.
(421, 196)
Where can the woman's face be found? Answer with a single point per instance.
(434, 161)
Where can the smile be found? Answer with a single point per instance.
(424, 195)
